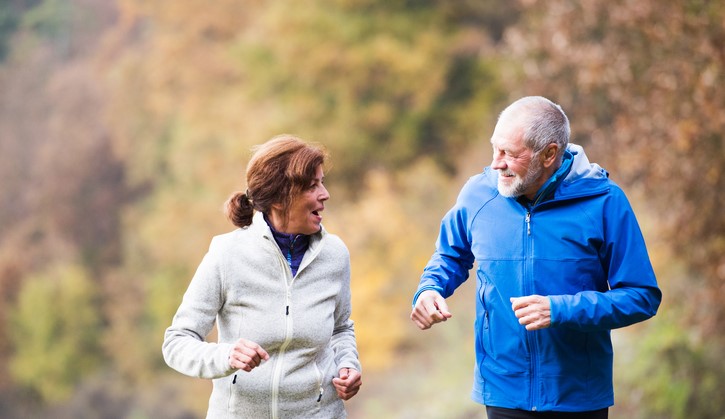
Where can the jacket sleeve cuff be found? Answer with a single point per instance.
(555, 305)
(353, 365)
(222, 361)
(439, 290)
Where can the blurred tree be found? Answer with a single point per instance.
(53, 21)
(375, 88)
(118, 144)
(391, 235)
(11, 13)
(640, 83)
(360, 77)
(61, 187)
(54, 330)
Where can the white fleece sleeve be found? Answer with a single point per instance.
(343, 342)
(184, 348)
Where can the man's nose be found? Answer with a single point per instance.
(498, 163)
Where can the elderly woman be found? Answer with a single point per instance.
(279, 289)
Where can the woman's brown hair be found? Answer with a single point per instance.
(277, 173)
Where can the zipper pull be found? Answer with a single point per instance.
(528, 223)
(319, 398)
(289, 298)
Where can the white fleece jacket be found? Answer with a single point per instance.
(245, 285)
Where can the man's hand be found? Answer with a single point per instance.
(533, 311)
(348, 383)
(247, 355)
(430, 309)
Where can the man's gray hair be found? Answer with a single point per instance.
(543, 122)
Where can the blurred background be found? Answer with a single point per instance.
(125, 124)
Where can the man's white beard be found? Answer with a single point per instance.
(519, 184)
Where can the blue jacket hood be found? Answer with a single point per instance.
(581, 167)
(583, 177)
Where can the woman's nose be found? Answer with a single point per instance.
(325, 195)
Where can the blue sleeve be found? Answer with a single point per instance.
(449, 266)
(633, 294)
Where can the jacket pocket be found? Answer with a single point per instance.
(241, 394)
(500, 347)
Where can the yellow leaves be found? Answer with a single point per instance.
(55, 326)
(379, 262)
(391, 235)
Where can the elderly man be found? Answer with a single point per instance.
(561, 261)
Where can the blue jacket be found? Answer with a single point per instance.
(581, 247)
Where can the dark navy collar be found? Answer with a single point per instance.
(293, 246)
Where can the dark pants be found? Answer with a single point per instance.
(502, 413)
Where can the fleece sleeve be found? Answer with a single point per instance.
(343, 342)
(184, 348)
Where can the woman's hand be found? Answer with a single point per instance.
(247, 355)
(348, 383)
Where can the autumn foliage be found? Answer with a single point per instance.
(125, 124)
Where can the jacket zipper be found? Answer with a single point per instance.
(530, 336)
(277, 374)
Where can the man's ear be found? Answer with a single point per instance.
(548, 156)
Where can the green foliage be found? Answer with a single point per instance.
(10, 15)
(667, 368)
(362, 79)
(359, 77)
(55, 328)
(376, 89)
(161, 307)
(50, 18)
(674, 375)
(403, 94)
